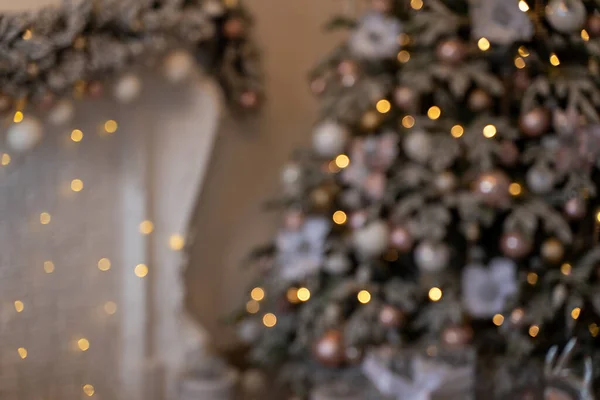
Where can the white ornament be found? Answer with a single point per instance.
(372, 239)
(417, 146)
(25, 135)
(329, 139)
(178, 66)
(290, 177)
(62, 113)
(337, 264)
(566, 16)
(432, 256)
(128, 88)
(540, 179)
(249, 331)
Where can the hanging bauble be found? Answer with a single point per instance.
(515, 245)
(417, 145)
(317, 86)
(401, 239)
(62, 113)
(509, 153)
(372, 239)
(480, 100)
(391, 317)
(6, 103)
(337, 264)
(405, 98)
(536, 122)
(521, 80)
(566, 16)
(291, 174)
(127, 88)
(348, 71)
(575, 208)
(25, 135)
(358, 219)
(445, 182)
(293, 219)
(95, 89)
(354, 355)
(178, 66)
(329, 139)
(492, 188)
(553, 250)
(457, 335)
(329, 349)
(249, 99)
(432, 256)
(375, 185)
(451, 51)
(234, 28)
(593, 25)
(370, 120)
(540, 179)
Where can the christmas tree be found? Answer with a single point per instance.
(449, 199)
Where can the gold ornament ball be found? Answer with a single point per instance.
(535, 123)
(515, 245)
(329, 350)
(405, 98)
(391, 317)
(370, 120)
(451, 51)
(457, 335)
(553, 250)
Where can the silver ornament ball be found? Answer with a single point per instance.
(540, 179)
(337, 264)
(62, 113)
(25, 135)
(372, 239)
(127, 88)
(566, 16)
(417, 146)
(432, 256)
(329, 139)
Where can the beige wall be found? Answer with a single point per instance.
(248, 157)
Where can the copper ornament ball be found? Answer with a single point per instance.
(515, 245)
(593, 25)
(575, 208)
(457, 335)
(451, 51)
(405, 97)
(535, 123)
(401, 239)
(492, 188)
(553, 250)
(317, 86)
(391, 317)
(234, 28)
(249, 99)
(329, 350)
(479, 100)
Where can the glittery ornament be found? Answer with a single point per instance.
(575, 208)
(553, 250)
(329, 349)
(566, 16)
(234, 28)
(401, 239)
(536, 122)
(372, 239)
(405, 98)
(540, 179)
(515, 245)
(492, 188)
(391, 317)
(25, 135)
(479, 100)
(417, 146)
(451, 51)
(432, 256)
(329, 139)
(457, 335)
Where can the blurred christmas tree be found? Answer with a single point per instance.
(450, 196)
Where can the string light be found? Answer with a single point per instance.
(342, 161)
(434, 112)
(146, 227)
(18, 117)
(292, 295)
(598, 216)
(76, 135)
(534, 330)
(22, 352)
(110, 307)
(520, 63)
(77, 185)
(457, 131)
(269, 320)
(141, 270)
(19, 306)
(303, 294)
(532, 278)
(435, 294)
(257, 294)
(176, 242)
(27, 35)
(383, 106)
(5, 159)
(45, 218)
(575, 313)
(83, 344)
(523, 52)
(340, 217)
(104, 264)
(416, 4)
(523, 6)
(489, 131)
(565, 269)
(515, 189)
(585, 35)
(594, 329)
(111, 126)
(408, 121)
(48, 267)
(404, 56)
(364, 297)
(483, 44)
(498, 319)
(554, 60)
(88, 390)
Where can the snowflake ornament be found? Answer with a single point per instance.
(376, 37)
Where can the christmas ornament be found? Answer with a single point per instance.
(290, 175)
(500, 21)
(479, 100)
(451, 51)
(372, 239)
(417, 145)
(376, 37)
(401, 239)
(492, 188)
(540, 179)
(508, 153)
(575, 208)
(457, 335)
(566, 16)
(62, 113)
(337, 264)
(515, 245)
(25, 135)
(432, 256)
(553, 250)
(6, 103)
(317, 86)
(322, 197)
(405, 98)
(593, 25)
(375, 185)
(445, 182)
(391, 317)
(329, 349)
(234, 28)
(127, 88)
(370, 120)
(485, 290)
(178, 66)
(249, 99)
(293, 219)
(329, 139)
(535, 122)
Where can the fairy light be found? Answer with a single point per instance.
(489, 131)
(435, 294)
(534, 330)
(5, 159)
(523, 6)
(111, 126)
(598, 216)
(83, 344)
(585, 35)
(594, 329)
(434, 112)
(176, 242)
(303, 294)
(88, 390)
(48, 267)
(45, 218)
(19, 306)
(403, 56)
(77, 185)
(457, 131)
(565, 269)
(340, 217)
(342, 161)
(498, 319)
(269, 320)
(292, 295)
(104, 264)
(483, 44)
(532, 278)
(575, 313)
(257, 294)
(146, 227)
(523, 52)
(141, 270)
(27, 35)
(364, 297)
(383, 106)
(416, 4)
(22, 352)
(408, 121)
(110, 308)
(554, 60)
(76, 135)
(515, 189)
(520, 63)
(18, 117)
